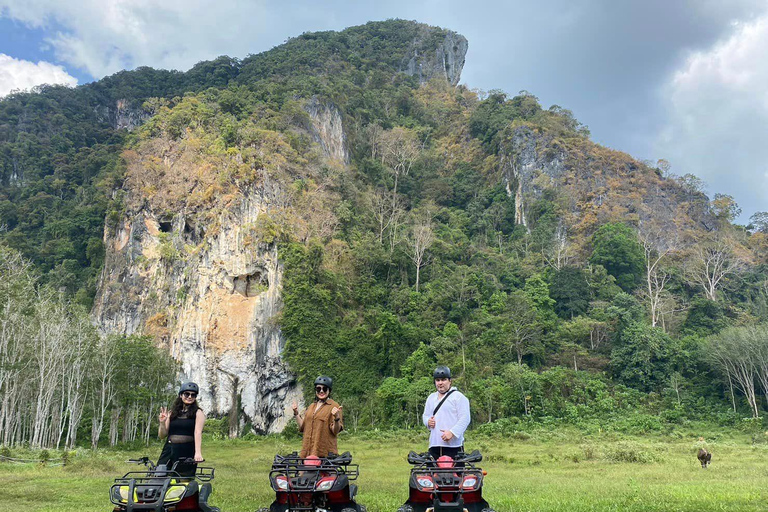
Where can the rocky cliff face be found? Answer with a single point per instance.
(195, 269)
(446, 60)
(327, 130)
(122, 115)
(596, 184)
(211, 302)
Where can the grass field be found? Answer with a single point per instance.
(554, 471)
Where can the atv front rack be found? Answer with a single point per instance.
(301, 478)
(448, 480)
(147, 489)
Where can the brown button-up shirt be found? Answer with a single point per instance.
(319, 439)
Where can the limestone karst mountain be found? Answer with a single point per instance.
(198, 275)
(260, 219)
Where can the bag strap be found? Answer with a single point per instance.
(442, 401)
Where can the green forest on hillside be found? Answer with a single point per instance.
(581, 315)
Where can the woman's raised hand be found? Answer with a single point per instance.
(295, 408)
(163, 414)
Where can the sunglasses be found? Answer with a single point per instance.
(187, 394)
(320, 389)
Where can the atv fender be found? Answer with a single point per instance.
(205, 493)
(192, 488)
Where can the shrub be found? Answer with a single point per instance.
(631, 453)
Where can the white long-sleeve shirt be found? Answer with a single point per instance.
(453, 415)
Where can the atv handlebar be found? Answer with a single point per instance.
(345, 459)
(428, 458)
(143, 460)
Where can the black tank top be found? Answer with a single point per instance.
(182, 425)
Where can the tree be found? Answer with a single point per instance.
(419, 240)
(759, 222)
(560, 252)
(570, 291)
(737, 353)
(725, 208)
(615, 247)
(400, 149)
(644, 357)
(711, 263)
(520, 327)
(655, 248)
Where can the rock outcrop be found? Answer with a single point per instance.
(192, 263)
(122, 115)
(596, 184)
(327, 129)
(210, 298)
(446, 60)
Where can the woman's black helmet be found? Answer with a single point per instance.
(189, 386)
(442, 372)
(324, 381)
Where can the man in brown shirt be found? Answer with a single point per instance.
(322, 421)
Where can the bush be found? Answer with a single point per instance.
(217, 428)
(631, 453)
(291, 431)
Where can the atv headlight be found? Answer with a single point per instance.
(175, 492)
(281, 482)
(469, 482)
(324, 485)
(425, 482)
(120, 493)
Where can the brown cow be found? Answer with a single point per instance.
(704, 457)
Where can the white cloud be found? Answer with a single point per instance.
(105, 36)
(718, 113)
(22, 74)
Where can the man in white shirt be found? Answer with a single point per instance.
(446, 415)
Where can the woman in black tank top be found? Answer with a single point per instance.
(184, 428)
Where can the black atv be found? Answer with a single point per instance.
(185, 487)
(314, 484)
(446, 484)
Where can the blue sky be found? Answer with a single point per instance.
(683, 80)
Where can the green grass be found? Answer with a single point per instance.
(550, 471)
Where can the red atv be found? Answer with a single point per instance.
(446, 484)
(314, 484)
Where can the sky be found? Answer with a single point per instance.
(680, 80)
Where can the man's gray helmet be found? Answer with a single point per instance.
(324, 381)
(442, 372)
(189, 386)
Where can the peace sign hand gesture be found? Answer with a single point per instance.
(163, 415)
